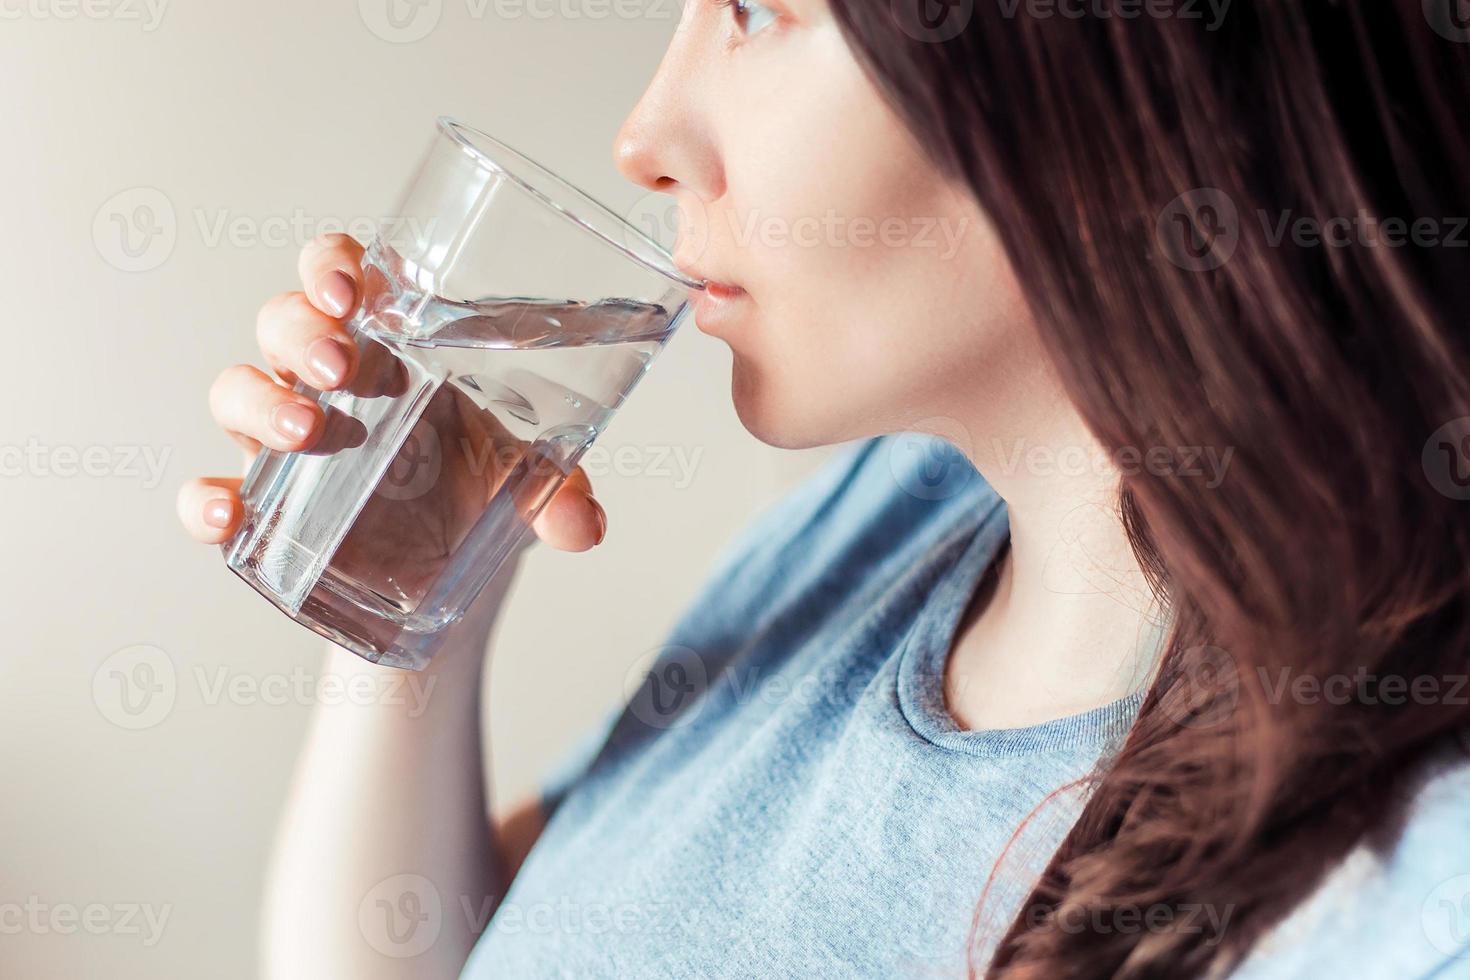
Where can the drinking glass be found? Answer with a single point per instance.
(505, 315)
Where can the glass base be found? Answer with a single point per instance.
(377, 640)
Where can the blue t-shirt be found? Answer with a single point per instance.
(786, 795)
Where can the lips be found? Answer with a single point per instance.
(717, 304)
(722, 290)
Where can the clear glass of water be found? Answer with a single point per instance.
(505, 316)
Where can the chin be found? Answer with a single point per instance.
(782, 423)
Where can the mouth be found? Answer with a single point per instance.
(722, 291)
(717, 304)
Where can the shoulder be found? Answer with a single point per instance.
(1400, 911)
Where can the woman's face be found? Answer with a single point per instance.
(866, 294)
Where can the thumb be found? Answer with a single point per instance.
(572, 519)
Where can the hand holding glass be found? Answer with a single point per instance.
(505, 317)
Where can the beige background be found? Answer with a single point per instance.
(239, 125)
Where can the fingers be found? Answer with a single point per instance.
(577, 479)
(210, 509)
(331, 273)
(572, 519)
(301, 333)
(300, 341)
(254, 409)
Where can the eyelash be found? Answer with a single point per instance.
(734, 7)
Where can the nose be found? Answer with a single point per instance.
(665, 143)
(636, 152)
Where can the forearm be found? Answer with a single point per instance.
(385, 864)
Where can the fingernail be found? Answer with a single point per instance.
(328, 360)
(337, 292)
(293, 421)
(219, 512)
(601, 519)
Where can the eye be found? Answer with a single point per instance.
(749, 16)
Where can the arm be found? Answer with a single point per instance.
(389, 784)
(386, 822)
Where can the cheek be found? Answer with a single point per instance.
(810, 185)
(875, 283)
(870, 346)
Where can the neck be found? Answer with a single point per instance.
(1066, 621)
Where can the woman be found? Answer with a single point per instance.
(1147, 660)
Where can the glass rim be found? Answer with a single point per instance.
(466, 137)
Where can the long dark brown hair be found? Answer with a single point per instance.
(1156, 181)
